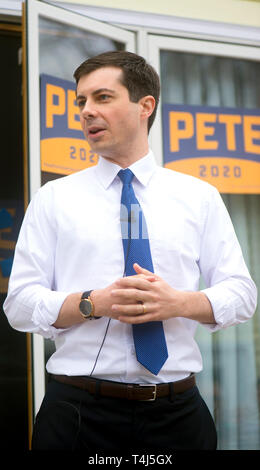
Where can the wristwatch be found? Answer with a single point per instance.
(86, 306)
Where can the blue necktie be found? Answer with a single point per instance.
(149, 339)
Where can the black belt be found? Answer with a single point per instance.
(129, 391)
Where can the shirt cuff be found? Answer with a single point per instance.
(46, 313)
(223, 310)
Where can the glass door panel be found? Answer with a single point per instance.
(57, 41)
(207, 74)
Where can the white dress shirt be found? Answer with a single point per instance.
(70, 241)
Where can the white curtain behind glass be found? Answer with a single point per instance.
(63, 48)
(230, 379)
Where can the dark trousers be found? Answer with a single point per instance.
(72, 419)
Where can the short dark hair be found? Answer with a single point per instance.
(139, 77)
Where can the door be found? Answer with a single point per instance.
(219, 82)
(57, 41)
(13, 344)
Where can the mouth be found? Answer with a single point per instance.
(95, 131)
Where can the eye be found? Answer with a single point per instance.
(81, 103)
(104, 97)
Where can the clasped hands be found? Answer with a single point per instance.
(141, 298)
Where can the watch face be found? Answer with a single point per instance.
(85, 307)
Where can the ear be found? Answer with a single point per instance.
(147, 104)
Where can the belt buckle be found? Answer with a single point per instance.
(154, 391)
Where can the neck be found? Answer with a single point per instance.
(127, 157)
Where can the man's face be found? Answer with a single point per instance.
(111, 123)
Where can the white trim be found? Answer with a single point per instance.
(12, 5)
(33, 100)
(203, 47)
(10, 9)
(142, 42)
(38, 372)
(157, 43)
(156, 139)
(9, 13)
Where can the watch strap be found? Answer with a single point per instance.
(86, 294)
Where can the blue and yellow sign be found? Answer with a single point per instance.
(64, 149)
(11, 215)
(219, 145)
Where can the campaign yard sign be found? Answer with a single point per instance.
(217, 144)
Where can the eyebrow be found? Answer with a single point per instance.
(97, 92)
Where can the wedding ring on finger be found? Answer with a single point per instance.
(144, 309)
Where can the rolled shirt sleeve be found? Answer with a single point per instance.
(229, 286)
(33, 304)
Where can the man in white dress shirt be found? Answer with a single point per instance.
(68, 281)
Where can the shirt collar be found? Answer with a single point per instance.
(143, 170)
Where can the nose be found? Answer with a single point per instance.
(89, 109)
